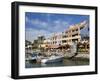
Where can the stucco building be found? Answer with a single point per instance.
(72, 34)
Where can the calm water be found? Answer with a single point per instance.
(65, 62)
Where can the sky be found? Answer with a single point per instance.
(38, 24)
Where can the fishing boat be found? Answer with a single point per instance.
(52, 59)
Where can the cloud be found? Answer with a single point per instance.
(36, 23)
(32, 34)
(39, 23)
(46, 28)
(61, 25)
(54, 25)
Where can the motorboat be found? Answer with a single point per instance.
(52, 59)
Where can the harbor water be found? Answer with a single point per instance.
(65, 62)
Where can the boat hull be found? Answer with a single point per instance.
(46, 61)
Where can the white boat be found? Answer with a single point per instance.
(52, 59)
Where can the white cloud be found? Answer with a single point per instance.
(45, 28)
(60, 25)
(36, 22)
(32, 34)
(54, 25)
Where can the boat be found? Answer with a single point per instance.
(32, 57)
(52, 59)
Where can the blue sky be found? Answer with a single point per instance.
(37, 24)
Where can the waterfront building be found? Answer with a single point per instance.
(46, 43)
(61, 39)
(38, 42)
(56, 39)
(73, 34)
